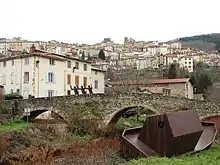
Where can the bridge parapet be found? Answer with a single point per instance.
(109, 104)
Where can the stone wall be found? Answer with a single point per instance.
(109, 104)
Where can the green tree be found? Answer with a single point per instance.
(101, 54)
(109, 74)
(83, 55)
(172, 72)
(201, 81)
(89, 57)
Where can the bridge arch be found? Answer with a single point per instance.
(35, 113)
(115, 116)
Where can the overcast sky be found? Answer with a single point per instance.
(89, 21)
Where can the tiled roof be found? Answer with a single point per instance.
(168, 81)
(186, 56)
(170, 55)
(149, 82)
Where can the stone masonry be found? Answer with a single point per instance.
(110, 104)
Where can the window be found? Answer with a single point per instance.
(18, 91)
(85, 67)
(51, 77)
(77, 65)
(85, 81)
(189, 62)
(69, 79)
(96, 84)
(186, 86)
(37, 63)
(189, 66)
(68, 64)
(12, 62)
(68, 92)
(26, 61)
(4, 64)
(12, 78)
(4, 79)
(76, 80)
(52, 62)
(96, 73)
(50, 93)
(26, 77)
(11, 90)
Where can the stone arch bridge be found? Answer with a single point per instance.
(112, 105)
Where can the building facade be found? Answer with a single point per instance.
(187, 63)
(182, 87)
(42, 74)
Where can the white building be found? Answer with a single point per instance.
(3, 47)
(158, 49)
(186, 62)
(176, 45)
(41, 74)
(170, 59)
(147, 62)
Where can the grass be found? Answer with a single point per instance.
(13, 126)
(208, 157)
(130, 122)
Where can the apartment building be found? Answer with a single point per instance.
(42, 74)
(170, 59)
(186, 62)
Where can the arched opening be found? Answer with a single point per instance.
(133, 116)
(43, 115)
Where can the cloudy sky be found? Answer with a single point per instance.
(89, 21)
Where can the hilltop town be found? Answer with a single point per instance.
(93, 66)
(131, 54)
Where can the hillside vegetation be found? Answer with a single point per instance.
(206, 42)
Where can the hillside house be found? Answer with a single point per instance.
(182, 87)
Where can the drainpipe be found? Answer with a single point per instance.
(64, 82)
(38, 81)
(21, 77)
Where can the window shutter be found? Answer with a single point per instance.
(54, 78)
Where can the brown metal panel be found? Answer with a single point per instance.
(156, 134)
(156, 137)
(184, 122)
(184, 144)
(186, 129)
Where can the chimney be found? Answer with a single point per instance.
(32, 49)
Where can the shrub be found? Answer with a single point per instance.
(102, 152)
(12, 96)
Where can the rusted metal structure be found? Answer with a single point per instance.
(169, 135)
(82, 89)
